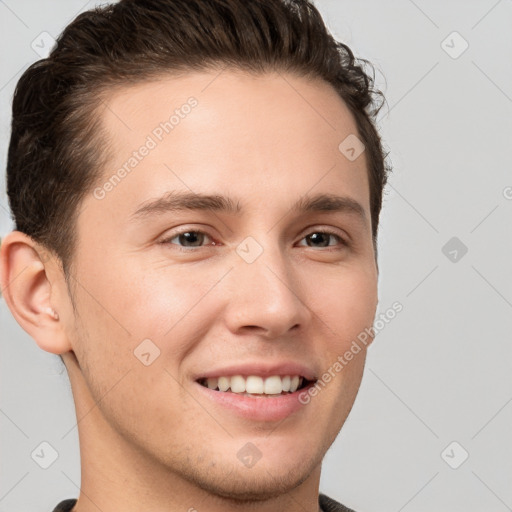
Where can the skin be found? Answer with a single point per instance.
(148, 438)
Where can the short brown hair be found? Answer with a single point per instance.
(57, 149)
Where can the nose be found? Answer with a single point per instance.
(266, 297)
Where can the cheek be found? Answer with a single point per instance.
(347, 308)
(346, 301)
(147, 301)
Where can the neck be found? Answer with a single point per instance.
(118, 474)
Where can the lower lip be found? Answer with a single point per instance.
(257, 408)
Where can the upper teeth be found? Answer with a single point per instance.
(253, 384)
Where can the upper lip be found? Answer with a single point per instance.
(262, 369)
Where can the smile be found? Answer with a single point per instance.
(254, 385)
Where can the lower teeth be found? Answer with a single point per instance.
(257, 394)
(253, 394)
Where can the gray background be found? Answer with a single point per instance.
(440, 372)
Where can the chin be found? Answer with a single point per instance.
(243, 485)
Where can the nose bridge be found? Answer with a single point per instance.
(266, 292)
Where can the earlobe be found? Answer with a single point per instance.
(27, 290)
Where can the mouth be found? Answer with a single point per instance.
(256, 386)
(263, 391)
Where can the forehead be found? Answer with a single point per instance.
(275, 133)
(230, 102)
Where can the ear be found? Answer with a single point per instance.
(29, 292)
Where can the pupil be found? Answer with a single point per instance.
(191, 237)
(315, 237)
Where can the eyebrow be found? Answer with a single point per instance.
(189, 201)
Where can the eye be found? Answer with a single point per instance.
(194, 238)
(188, 238)
(322, 238)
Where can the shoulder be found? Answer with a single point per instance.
(329, 505)
(65, 505)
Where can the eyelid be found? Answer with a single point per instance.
(343, 239)
(322, 228)
(328, 230)
(174, 234)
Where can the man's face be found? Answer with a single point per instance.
(262, 286)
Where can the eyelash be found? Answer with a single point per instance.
(167, 241)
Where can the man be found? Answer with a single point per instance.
(196, 187)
